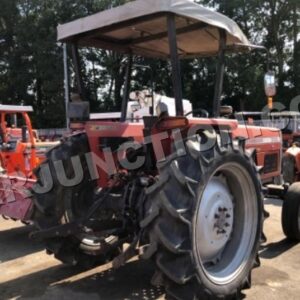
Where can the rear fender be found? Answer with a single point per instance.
(104, 140)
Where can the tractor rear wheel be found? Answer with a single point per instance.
(204, 221)
(290, 215)
(64, 204)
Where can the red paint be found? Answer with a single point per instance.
(15, 200)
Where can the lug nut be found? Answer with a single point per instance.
(217, 216)
(224, 209)
(228, 216)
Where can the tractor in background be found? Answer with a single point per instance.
(286, 186)
(21, 152)
(289, 123)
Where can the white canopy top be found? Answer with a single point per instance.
(141, 27)
(15, 108)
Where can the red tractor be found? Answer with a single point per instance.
(286, 186)
(185, 192)
(289, 123)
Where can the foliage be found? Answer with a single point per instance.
(31, 62)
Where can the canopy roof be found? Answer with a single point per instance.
(272, 114)
(141, 27)
(15, 108)
(286, 114)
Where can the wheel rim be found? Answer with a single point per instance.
(79, 203)
(226, 224)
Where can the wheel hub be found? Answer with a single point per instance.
(216, 216)
(222, 217)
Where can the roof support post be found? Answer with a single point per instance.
(220, 74)
(77, 66)
(176, 72)
(126, 89)
(66, 82)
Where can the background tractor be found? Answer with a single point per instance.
(20, 153)
(286, 186)
(289, 123)
(184, 191)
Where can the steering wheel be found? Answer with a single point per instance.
(203, 113)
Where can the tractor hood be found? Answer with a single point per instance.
(141, 28)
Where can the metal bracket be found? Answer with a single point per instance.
(129, 253)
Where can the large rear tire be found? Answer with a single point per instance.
(290, 216)
(64, 204)
(204, 222)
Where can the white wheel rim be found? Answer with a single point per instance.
(226, 224)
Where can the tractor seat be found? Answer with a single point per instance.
(226, 111)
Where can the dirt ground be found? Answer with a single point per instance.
(27, 272)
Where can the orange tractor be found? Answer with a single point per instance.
(15, 141)
(183, 191)
(20, 153)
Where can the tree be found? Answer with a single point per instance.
(31, 68)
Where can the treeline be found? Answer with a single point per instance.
(31, 60)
